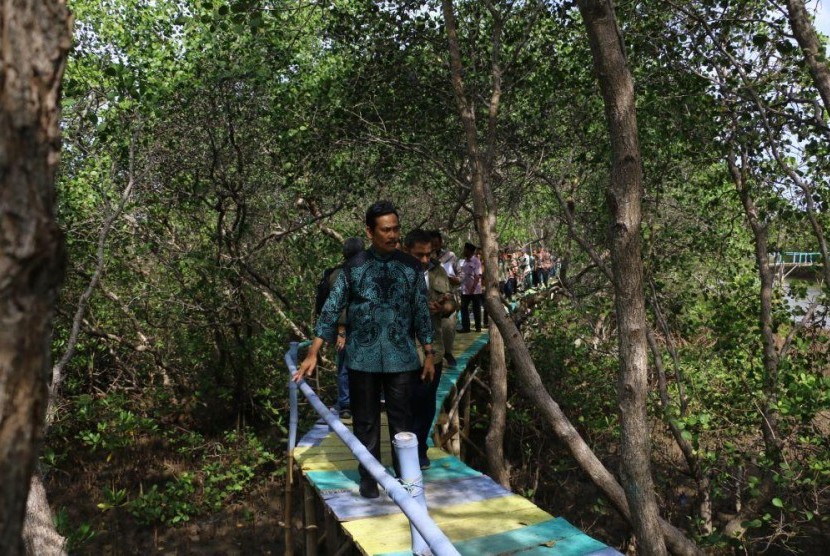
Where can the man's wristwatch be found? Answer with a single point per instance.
(429, 351)
(341, 334)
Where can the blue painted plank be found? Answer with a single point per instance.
(349, 505)
(314, 436)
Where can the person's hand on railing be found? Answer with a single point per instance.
(308, 365)
(306, 368)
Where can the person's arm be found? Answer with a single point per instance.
(420, 304)
(428, 371)
(310, 362)
(445, 303)
(340, 344)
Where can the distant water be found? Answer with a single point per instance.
(799, 305)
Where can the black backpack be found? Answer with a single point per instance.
(323, 290)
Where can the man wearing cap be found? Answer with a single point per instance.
(385, 295)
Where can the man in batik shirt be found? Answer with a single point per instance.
(385, 297)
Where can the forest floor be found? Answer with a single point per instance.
(251, 524)
(250, 519)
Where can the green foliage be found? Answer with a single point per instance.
(224, 470)
(76, 537)
(256, 132)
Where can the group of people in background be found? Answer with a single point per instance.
(523, 269)
(391, 312)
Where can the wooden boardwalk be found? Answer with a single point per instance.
(479, 516)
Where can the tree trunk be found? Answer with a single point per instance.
(534, 389)
(36, 38)
(807, 39)
(624, 198)
(528, 377)
(39, 533)
(484, 208)
(494, 442)
(769, 413)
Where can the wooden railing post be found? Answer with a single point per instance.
(309, 520)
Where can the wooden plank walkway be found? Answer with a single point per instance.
(478, 515)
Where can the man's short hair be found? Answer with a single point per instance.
(352, 247)
(416, 236)
(380, 208)
(470, 247)
(435, 234)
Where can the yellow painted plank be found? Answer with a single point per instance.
(436, 453)
(332, 456)
(334, 440)
(461, 522)
(300, 450)
(341, 465)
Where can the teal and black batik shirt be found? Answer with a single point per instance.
(385, 297)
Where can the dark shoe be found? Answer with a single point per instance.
(462, 331)
(425, 463)
(369, 488)
(450, 359)
(478, 329)
(345, 414)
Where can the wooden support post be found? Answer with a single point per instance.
(333, 539)
(465, 432)
(454, 426)
(310, 520)
(287, 518)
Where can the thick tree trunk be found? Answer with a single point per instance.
(528, 377)
(624, 197)
(805, 34)
(36, 38)
(40, 536)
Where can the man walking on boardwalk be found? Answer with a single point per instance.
(441, 304)
(449, 262)
(385, 296)
(470, 288)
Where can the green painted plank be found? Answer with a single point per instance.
(443, 469)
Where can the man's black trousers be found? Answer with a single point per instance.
(423, 410)
(365, 390)
(465, 311)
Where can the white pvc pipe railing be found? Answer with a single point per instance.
(410, 500)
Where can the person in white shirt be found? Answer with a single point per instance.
(449, 262)
(470, 288)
